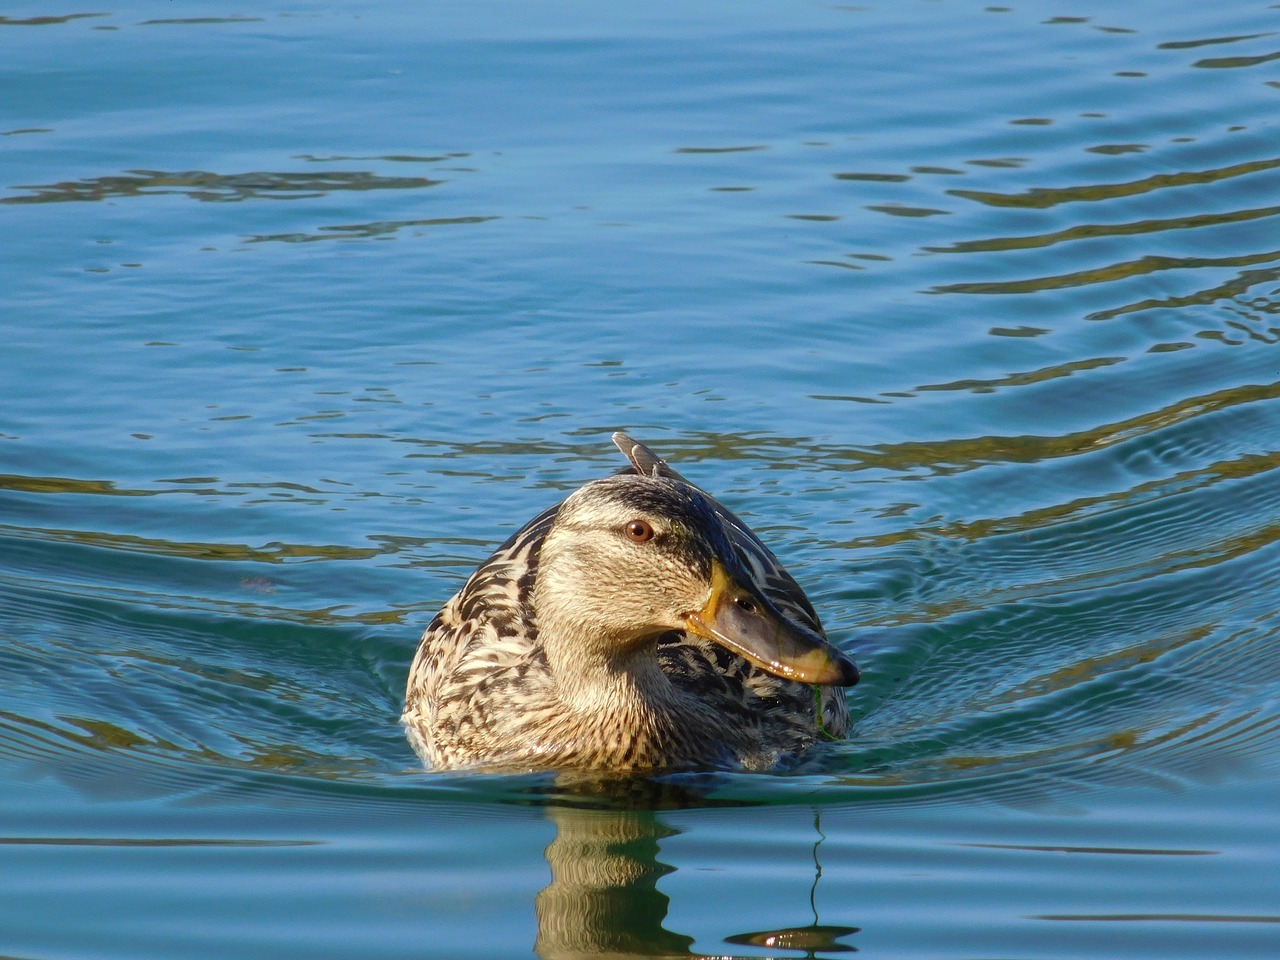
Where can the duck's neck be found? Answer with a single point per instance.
(595, 678)
(620, 711)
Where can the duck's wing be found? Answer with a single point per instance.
(778, 585)
(482, 630)
(499, 588)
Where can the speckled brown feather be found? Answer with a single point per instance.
(482, 693)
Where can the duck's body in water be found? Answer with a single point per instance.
(638, 626)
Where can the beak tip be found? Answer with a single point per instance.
(826, 667)
(841, 672)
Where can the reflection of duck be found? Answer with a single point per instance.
(603, 900)
(637, 626)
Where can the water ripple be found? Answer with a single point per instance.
(214, 187)
(1040, 198)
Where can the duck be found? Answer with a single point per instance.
(636, 627)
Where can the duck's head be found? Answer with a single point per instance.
(631, 557)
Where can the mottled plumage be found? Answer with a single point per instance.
(637, 626)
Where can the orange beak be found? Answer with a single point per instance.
(739, 617)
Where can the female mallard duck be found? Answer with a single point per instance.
(638, 626)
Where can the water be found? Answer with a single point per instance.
(970, 310)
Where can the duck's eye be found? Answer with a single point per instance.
(638, 531)
(745, 604)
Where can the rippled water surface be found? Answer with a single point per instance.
(972, 311)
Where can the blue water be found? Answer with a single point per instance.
(971, 311)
